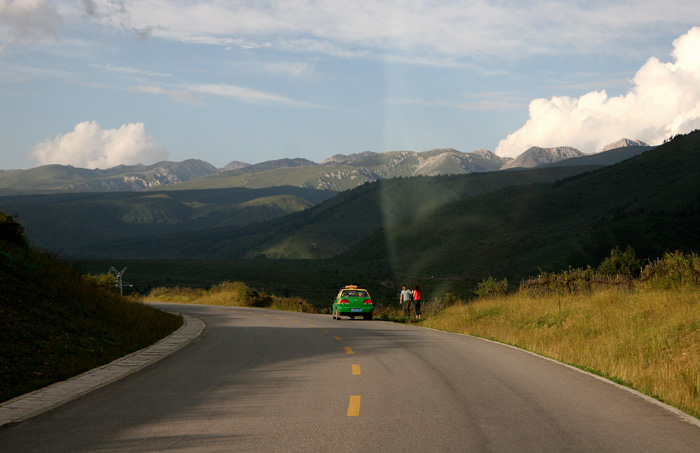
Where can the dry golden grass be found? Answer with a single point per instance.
(646, 339)
(232, 294)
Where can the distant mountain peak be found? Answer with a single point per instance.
(235, 165)
(536, 156)
(484, 153)
(623, 143)
(350, 158)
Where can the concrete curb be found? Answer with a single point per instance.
(39, 401)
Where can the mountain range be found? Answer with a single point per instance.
(446, 231)
(339, 172)
(66, 178)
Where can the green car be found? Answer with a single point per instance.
(352, 301)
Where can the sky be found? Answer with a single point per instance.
(99, 83)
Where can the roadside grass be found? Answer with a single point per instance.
(642, 333)
(56, 323)
(232, 294)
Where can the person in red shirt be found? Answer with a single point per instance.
(416, 300)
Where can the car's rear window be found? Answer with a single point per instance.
(354, 293)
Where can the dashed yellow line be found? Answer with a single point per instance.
(311, 325)
(324, 330)
(356, 370)
(354, 406)
(281, 317)
(338, 338)
(349, 351)
(297, 321)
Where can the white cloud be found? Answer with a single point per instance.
(90, 146)
(247, 95)
(27, 20)
(135, 71)
(490, 101)
(185, 96)
(427, 28)
(193, 93)
(663, 101)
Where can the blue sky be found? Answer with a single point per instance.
(99, 83)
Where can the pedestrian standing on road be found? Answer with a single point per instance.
(416, 300)
(405, 299)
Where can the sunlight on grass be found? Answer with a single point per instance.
(231, 294)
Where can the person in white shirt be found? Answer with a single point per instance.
(406, 296)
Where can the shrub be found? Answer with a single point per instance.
(11, 231)
(256, 299)
(107, 282)
(621, 263)
(450, 299)
(571, 281)
(673, 270)
(293, 304)
(490, 287)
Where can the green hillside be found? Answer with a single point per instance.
(331, 227)
(64, 223)
(336, 225)
(651, 202)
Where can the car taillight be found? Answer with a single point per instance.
(368, 301)
(343, 301)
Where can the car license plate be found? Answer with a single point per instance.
(355, 309)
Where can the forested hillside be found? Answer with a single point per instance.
(64, 223)
(331, 227)
(651, 202)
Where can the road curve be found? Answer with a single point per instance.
(260, 380)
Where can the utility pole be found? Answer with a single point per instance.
(120, 283)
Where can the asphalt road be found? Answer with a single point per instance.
(260, 380)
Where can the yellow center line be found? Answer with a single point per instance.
(297, 321)
(324, 330)
(266, 315)
(354, 406)
(311, 325)
(356, 370)
(338, 338)
(280, 317)
(349, 351)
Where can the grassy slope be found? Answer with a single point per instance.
(56, 324)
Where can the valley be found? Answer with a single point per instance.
(446, 232)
